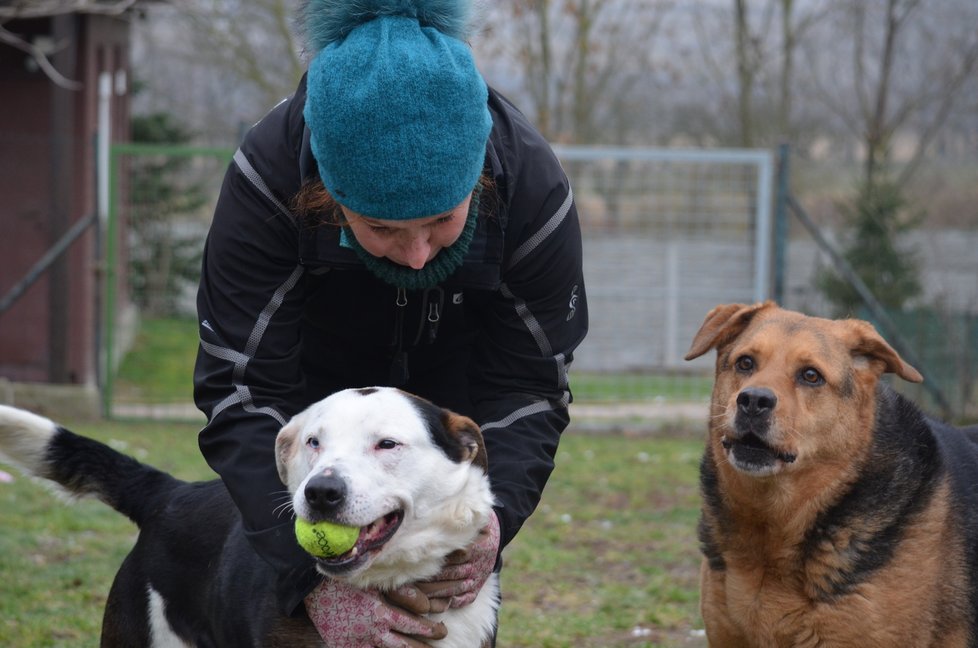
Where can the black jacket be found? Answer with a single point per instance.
(288, 316)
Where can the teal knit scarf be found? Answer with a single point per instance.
(435, 271)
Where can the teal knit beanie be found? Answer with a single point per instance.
(395, 105)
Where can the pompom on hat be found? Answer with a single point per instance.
(395, 105)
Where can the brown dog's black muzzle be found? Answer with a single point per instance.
(749, 442)
(755, 406)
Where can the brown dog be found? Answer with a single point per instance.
(835, 514)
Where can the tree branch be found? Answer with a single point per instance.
(40, 57)
(42, 8)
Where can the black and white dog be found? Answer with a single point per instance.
(411, 475)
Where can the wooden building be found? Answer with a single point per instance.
(52, 55)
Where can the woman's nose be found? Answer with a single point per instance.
(416, 251)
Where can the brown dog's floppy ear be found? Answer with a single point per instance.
(469, 437)
(723, 323)
(868, 342)
(285, 445)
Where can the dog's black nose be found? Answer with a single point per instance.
(756, 401)
(325, 493)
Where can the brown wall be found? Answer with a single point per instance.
(47, 183)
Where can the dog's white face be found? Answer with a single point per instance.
(410, 475)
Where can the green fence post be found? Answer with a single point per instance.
(112, 274)
(781, 222)
(111, 259)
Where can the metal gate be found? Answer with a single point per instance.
(668, 234)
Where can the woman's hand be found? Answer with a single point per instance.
(465, 571)
(347, 617)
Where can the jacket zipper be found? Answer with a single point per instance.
(434, 314)
(432, 302)
(399, 373)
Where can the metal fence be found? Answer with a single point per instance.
(161, 200)
(668, 234)
(937, 332)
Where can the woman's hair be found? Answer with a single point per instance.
(314, 205)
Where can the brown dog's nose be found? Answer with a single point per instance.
(756, 401)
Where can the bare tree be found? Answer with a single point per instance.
(219, 64)
(749, 60)
(14, 9)
(583, 64)
(527, 24)
(795, 24)
(253, 40)
(910, 61)
(760, 56)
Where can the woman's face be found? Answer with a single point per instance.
(411, 243)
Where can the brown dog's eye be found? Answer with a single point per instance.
(744, 364)
(811, 376)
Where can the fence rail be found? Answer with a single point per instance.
(668, 234)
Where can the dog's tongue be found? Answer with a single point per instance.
(376, 533)
(377, 530)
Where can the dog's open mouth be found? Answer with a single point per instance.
(751, 454)
(372, 537)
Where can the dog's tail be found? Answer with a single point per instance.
(82, 466)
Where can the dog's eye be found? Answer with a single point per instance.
(313, 442)
(811, 376)
(744, 364)
(387, 444)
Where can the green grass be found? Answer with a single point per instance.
(58, 556)
(611, 388)
(611, 550)
(159, 368)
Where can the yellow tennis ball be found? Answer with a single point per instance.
(325, 539)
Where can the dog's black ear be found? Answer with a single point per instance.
(469, 437)
(723, 323)
(867, 342)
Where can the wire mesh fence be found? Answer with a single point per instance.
(939, 330)
(668, 234)
(161, 205)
